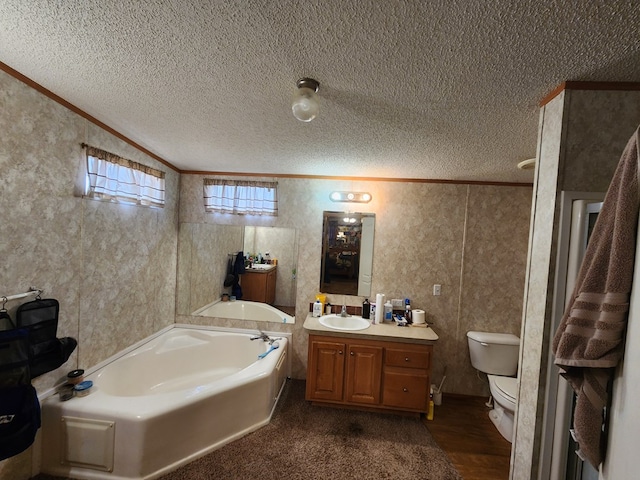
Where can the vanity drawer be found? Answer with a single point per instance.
(408, 356)
(404, 388)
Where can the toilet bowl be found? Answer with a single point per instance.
(504, 391)
(496, 354)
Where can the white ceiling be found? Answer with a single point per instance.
(442, 89)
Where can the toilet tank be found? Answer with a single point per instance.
(494, 353)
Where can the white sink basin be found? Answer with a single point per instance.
(261, 266)
(337, 322)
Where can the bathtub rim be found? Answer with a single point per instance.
(244, 331)
(291, 320)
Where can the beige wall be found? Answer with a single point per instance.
(582, 135)
(471, 239)
(111, 267)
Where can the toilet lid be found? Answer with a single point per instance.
(508, 386)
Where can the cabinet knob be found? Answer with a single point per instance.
(406, 359)
(405, 389)
(352, 354)
(340, 352)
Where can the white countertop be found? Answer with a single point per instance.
(388, 331)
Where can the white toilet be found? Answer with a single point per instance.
(496, 354)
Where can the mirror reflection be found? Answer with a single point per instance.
(203, 261)
(347, 253)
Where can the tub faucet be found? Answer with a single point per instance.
(343, 312)
(263, 336)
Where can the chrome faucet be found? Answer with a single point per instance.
(343, 312)
(265, 338)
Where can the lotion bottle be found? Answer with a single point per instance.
(317, 309)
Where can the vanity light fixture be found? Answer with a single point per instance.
(351, 197)
(305, 104)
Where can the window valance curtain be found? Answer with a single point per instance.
(241, 197)
(114, 178)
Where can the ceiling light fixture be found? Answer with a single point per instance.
(352, 197)
(528, 164)
(305, 104)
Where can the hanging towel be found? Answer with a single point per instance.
(589, 341)
(230, 278)
(238, 269)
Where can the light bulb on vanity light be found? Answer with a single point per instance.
(351, 197)
(305, 106)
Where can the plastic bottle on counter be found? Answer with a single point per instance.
(366, 309)
(407, 311)
(388, 311)
(317, 309)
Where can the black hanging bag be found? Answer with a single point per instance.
(19, 406)
(14, 358)
(19, 419)
(5, 320)
(40, 318)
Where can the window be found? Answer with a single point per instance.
(240, 197)
(117, 179)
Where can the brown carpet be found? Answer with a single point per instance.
(305, 442)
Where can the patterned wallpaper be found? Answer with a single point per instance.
(471, 239)
(112, 267)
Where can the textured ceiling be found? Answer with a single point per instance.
(442, 89)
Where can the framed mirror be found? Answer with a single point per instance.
(204, 251)
(347, 253)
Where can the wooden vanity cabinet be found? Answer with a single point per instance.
(259, 286)
(368, 373)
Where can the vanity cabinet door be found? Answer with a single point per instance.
(253, 286)
(325, 372)
(364, 364)
(259, 286)
(270, 288)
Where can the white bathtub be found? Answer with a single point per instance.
(244, 310)
(170, 399)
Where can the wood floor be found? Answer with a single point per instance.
(462, 428)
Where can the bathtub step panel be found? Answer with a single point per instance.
(88, 443)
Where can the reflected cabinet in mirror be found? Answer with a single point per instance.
(204, 251)
(347, 253)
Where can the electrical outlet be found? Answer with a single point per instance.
(437, 288)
